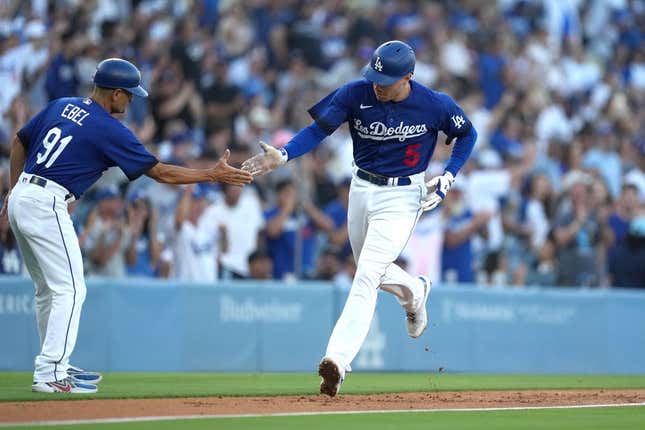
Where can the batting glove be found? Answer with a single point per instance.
(268, 160)
(441, 185)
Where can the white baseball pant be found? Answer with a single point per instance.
(380, 221)
(49, 245)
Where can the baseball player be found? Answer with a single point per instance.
(394, 122)
(54, 158)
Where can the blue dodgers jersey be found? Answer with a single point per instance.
(391, 138)
(74, 140)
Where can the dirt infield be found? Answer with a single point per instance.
(96, 409)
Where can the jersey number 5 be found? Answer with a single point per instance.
(412, 155)
(49, 142)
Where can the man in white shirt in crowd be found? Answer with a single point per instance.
(199, 237)
(240, 212)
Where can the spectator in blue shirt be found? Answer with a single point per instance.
(626, 264)
(457, 260)
(625, 212)
(336, 210)
(62, 75)
(144, 251)
(286, 226)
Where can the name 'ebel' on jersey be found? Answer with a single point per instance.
(379, 131)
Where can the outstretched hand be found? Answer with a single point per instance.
(223, 172)
(268, 160)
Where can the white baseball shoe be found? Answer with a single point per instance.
(83, 376)
(332, 376)
(67, 386)
(417, 321)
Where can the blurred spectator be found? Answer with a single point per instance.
(425, 247)
(199, 237)
(336, 210)
(10, 257)
(551, 86)
(106, 236)
(223, 101)
(577, 234)
(260, 265)
(143, 255)
(62, 76)
(290, 232)
(626, 209)
(328, 264)
(544, 270)
(606, 160)
(346, 273)
(457, 261)
(538, 207)
(626, 264)
(174, 98)
(241, 216)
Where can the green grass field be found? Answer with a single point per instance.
(16, 387)
(632, 418)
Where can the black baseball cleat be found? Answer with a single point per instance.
(332, 377)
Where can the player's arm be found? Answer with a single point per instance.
(222, 172)
(17, 157)
(271, 158)
(454, 124)
(328, 114)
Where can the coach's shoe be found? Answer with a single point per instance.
(332, 377)
(417, 321)
(66, 385)
(83, 376)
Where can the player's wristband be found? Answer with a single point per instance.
(285, 155)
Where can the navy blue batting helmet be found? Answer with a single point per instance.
(118, 73)
(390, 62)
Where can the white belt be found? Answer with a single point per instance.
(48, 184)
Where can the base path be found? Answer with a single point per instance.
(60, 410)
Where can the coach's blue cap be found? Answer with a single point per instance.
(118, 73)
(390, 62)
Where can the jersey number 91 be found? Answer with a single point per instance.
(49, 143)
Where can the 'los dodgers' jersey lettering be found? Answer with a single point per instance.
(74, 140)
(392, 138)
(379, 131)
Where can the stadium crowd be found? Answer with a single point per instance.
(554, 193)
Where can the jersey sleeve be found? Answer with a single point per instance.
(27, 133)
(454, 122)
(333, 110)
(127, 152)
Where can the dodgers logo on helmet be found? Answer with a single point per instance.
(378, 65)
(390, 62)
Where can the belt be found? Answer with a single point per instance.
(42, 182)
(382, 180)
